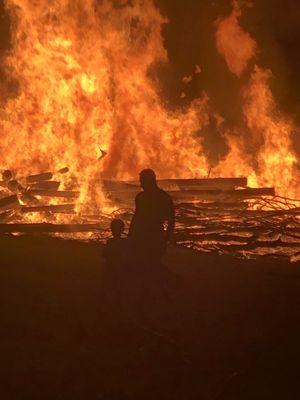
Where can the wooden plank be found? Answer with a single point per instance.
(46, 176)
(206, 183)
(50, 228)
(54, 193)
(46, 185)
(125, 193)
(61, 208)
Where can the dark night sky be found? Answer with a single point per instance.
(189, 38)
(274, 24)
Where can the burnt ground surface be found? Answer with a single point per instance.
(205, 327)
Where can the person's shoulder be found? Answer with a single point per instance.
(164, 194)
(140, 196)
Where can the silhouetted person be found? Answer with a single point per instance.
(115, 271)
(116, 248)
(153, 221)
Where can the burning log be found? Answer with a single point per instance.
(69, 194)
(9, 203)
(45, 176)
(39, 177)
(61, 208)
(45, 185)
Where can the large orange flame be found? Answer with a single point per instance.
(267, 156)
(84, 88)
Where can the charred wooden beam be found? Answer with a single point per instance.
(182, 184)
(206, 183)
(54, 193)
(50, 228)
(46, 176)
(46, 185)
(61, 208)
(127, 193)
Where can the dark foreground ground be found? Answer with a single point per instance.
(206, 328)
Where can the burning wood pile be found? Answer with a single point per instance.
(31, 194)
(225, 216)
(221, 215)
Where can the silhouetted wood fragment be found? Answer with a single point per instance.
(63, 170)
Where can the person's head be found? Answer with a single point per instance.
(117, 227)
(148, 179)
